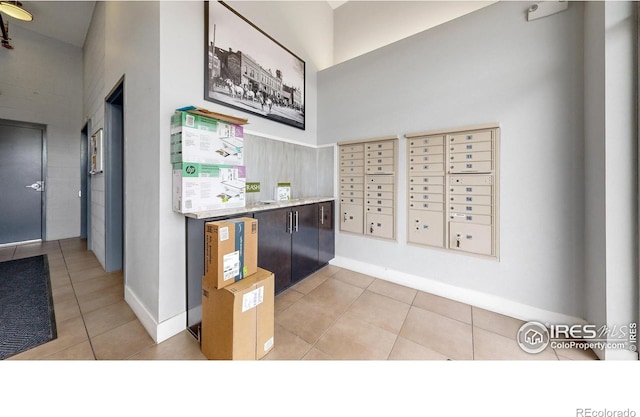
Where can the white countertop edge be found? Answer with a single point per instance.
(258, 207)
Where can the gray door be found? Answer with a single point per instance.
(114, 180)
(21, 183)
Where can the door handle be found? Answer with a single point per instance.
(37, 186)
(296, 215)
(321, 214)
(290, 223)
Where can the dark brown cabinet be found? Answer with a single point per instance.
(274, 245)
(288, 243)
(304, 241)
(326, 231)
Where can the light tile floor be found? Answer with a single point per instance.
(333, 314)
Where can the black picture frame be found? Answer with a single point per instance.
(248, 70)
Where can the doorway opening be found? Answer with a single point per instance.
(114, 179)
(85, 187)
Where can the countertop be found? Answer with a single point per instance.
(258, 207)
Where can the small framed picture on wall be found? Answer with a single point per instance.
(95, 149)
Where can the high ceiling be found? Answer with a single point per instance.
(67, 21)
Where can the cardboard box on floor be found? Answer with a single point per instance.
(238, 320)
(230, 251)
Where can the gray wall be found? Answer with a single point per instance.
(362, 26)
(123, 40)
(93, 112)
(489, 66)
(39, 83)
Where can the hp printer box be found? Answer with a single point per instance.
(201, 139)
(207, 187)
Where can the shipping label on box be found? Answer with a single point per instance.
(206, 187)
(207, 141)
(252, 299)
(231, 265)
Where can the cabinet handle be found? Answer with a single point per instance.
(371, 228)
(321, 214)
(345, 218)
(290, 223)
(296, 215)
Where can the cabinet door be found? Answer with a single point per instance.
(304, 241)
(274, 245)
(326, 250)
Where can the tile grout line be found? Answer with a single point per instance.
(313, 346)
(78, 302)
(403, 321)
(473, 341)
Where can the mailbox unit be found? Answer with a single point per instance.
(453, 180)
(368, 186)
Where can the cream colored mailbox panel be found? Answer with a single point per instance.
(368, 186)
(380, 190)
(426, 163)
(352, 188)
(452, 190)
(471, 220)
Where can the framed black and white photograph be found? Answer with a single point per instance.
(246, 69)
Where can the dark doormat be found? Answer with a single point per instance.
(27, 318)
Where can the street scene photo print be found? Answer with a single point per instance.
(250, 71)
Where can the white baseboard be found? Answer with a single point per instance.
(159, 332)
(464, 295)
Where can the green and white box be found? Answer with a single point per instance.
(206, 187)
(282, 191)
(203, 140)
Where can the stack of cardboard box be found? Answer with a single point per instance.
(237, 296)
(207, 155)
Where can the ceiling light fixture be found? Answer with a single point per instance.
(15, 10)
